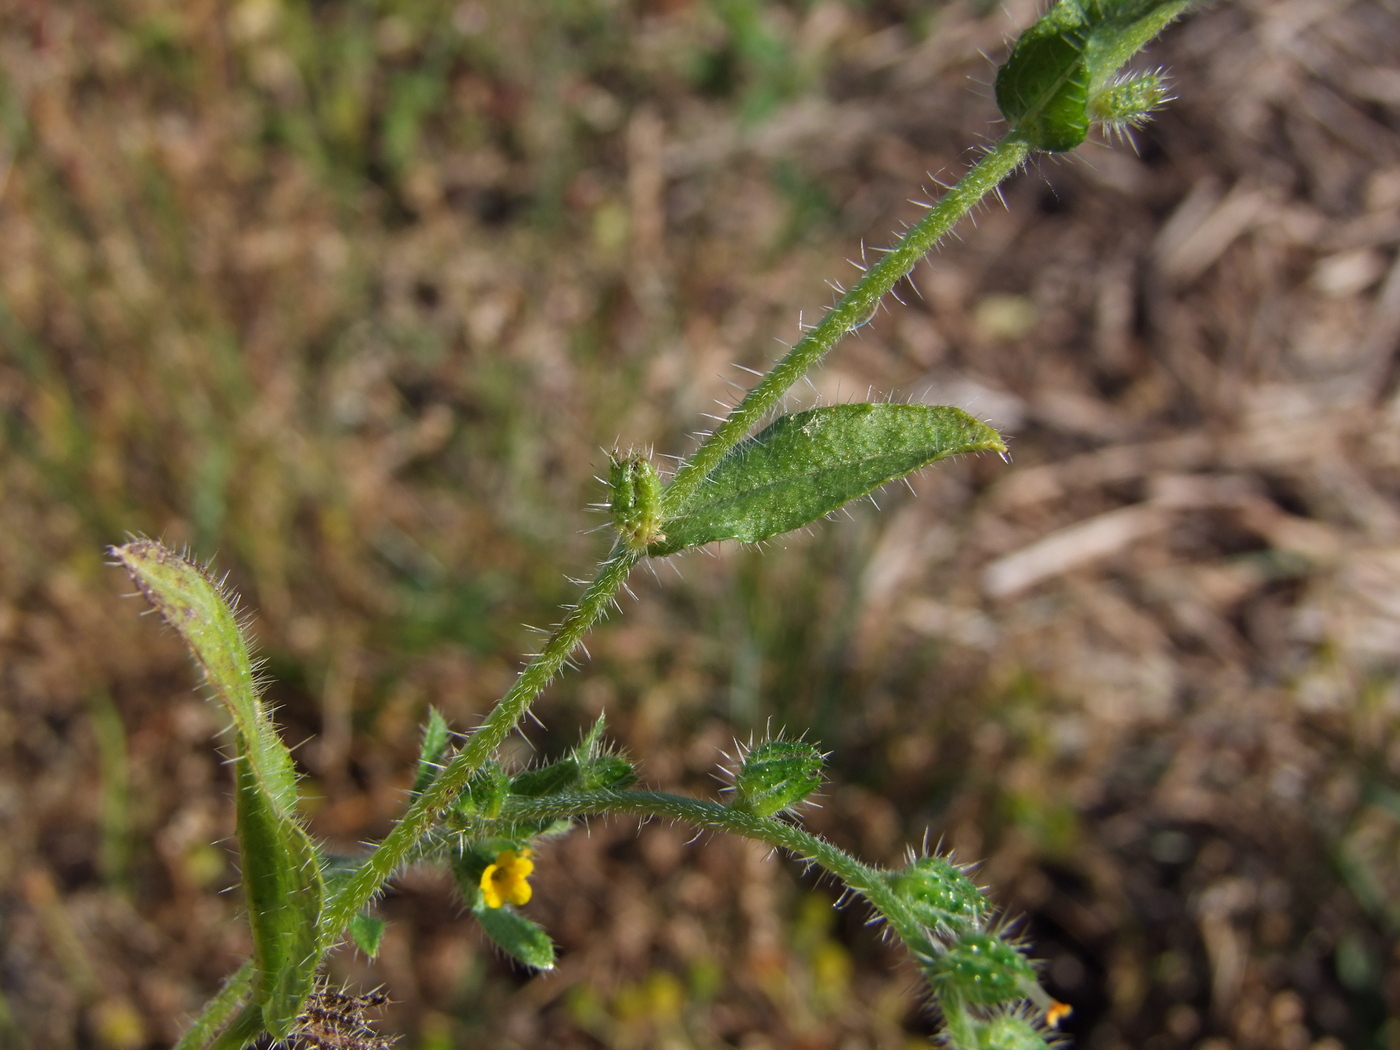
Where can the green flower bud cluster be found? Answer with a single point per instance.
(776, 777)
(635, 488)
(1063, 74)
(980, 968)
(1130, 100)
(981, 980)
(1009, 1031)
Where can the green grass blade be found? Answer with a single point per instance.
(806, 465)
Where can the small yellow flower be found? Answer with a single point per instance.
(1058, 1012)
(507, 879)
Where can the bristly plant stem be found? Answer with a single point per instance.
(400, 845)
(850, 311)
(220, 1009)
(862, 878)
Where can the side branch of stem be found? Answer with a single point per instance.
(869, 882)
(849, 312)
(400, 845)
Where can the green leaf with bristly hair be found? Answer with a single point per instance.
(520, 937)
(1043, 89)
(367, 932)
(195, 606)
(284, 891)
(430, 756)
(282, 877)
(806, 465)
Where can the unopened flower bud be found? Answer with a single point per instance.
(982, 968)
(636, 501)
(777, 775)
(941, 897)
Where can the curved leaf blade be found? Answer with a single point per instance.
(195, 606)
(805, 465)
(282, 878)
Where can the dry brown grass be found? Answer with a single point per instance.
(355, 305)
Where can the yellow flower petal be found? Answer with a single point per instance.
(489, 892)
(506, 880)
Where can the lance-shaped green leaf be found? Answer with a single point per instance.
(520, 937)
(430, 756)
(281, 871)
(806, 465)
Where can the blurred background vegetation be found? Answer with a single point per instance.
(354, 296)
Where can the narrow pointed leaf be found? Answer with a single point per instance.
(808, 464)
(435, 735)
(282, 877)
(521, 938)
(367, 932)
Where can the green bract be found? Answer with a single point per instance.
(777, 775)
(522, 938)
(806, 465)
(430, 755)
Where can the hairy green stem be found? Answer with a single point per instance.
(870, 883)
(242, 1030)
(852, 310)
(219, 1009)
(400, 845)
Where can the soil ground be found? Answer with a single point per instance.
(353, 298)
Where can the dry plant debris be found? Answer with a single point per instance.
(355, 302)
